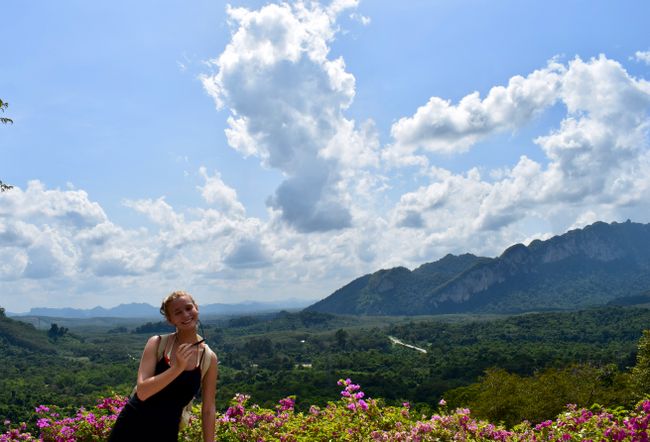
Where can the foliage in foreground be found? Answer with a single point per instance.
(352, 418)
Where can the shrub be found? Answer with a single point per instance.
(354, 417)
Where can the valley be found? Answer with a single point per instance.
(304, 353)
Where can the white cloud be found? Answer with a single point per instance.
(66, 208)
(13, 261)
(597, 161)
(62, 235)
(157, 211)
(340, 211)
(52, 254)
(439, 126)
(364, 20)
(215, 191)
(286, 99)
(248, 253)
(59, 241)
(587, 218)
(595, 167)
(123, 261)
(643, 56)
(338, 6)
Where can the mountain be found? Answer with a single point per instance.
(133, 310)
(249, 307)
(143, 310)
(384, 292)
(581, 268)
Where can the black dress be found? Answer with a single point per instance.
(157, 419)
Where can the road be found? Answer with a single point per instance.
(394, 340)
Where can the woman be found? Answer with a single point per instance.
(167, 383)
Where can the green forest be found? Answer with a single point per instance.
(489, 363)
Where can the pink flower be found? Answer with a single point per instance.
(544, 424)
(646, 406)
(353, 387)
(287, 404)
(42, 409)
(90, 418)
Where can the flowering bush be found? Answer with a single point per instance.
(354, 417)
(93, 425)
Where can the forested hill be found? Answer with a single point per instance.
(56, 367)
(581, 268)
(21, 336)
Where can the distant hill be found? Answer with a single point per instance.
(133, 310)
(17, 334)
(143, 310)
(581, 268)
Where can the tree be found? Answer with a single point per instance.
(3, 106)
(341, 337)
(4, 120)
(641, 371)
(55, 332)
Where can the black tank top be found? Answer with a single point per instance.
(158, 417)
(179, 392)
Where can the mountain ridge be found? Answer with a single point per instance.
(580, 268)
(144, 310)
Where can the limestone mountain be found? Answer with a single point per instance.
(579, 269)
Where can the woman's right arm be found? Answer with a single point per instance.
(150, 383)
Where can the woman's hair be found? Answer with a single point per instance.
(169, 298)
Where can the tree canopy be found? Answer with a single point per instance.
(4, 105)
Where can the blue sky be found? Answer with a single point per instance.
(261, 150)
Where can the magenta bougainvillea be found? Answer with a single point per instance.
(354, 417)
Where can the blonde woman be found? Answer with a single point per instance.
(172, 370)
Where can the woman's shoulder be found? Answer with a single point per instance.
(158, 338)
(209, 358)
(158, 341)
(208, 351)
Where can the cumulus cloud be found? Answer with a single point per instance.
(340, 211)
(642, 56)
(52, 254)
(442, 127)
(286, 100)
(13, 261)
(62, 234)
(448, 200)
(61, 240)
(597, 160)
(247, 253)
(66, 208)
(158, 211)
(215, 191)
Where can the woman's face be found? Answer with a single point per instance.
(182, 312)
